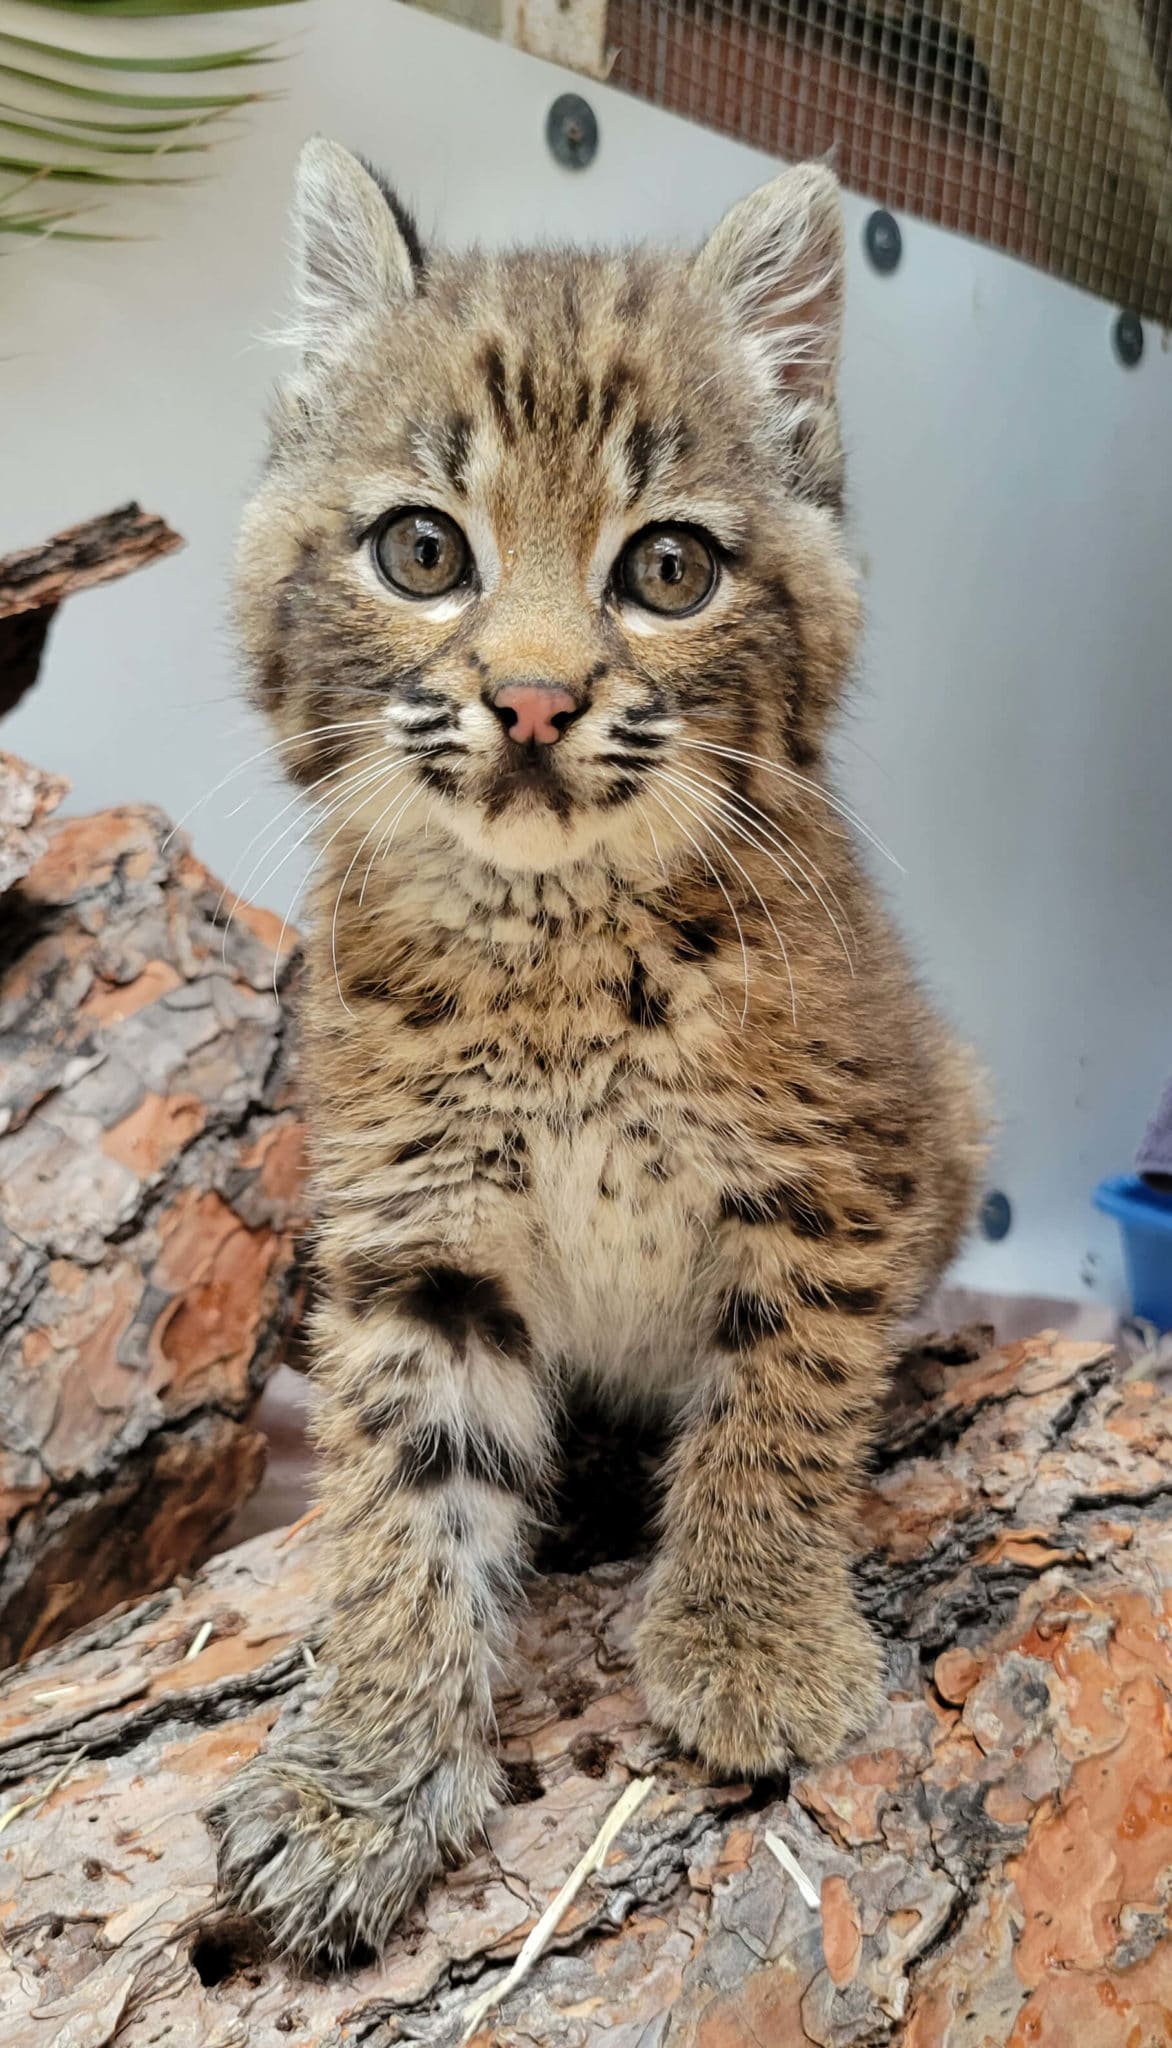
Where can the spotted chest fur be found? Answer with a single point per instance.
(615, 1066)
(538, 1106)
(574, 1111)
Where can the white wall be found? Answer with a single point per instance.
(1012, 488)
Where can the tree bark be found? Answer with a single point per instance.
(34, 581)
(991, 1865)
(27, 797)
(150, 1206)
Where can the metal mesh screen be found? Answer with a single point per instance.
(1042, 126)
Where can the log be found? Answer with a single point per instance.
(34, 581)
(990, 1866)
(151, 1206)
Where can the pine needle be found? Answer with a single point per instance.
(12, 1813)
(793, 1868)
(199, 1642)
(540, 1936)
(302, 1522)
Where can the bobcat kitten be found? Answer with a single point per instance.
(614, 1065)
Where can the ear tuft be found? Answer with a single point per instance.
(356, 250)
(777, 261)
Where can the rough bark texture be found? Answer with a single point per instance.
(993, 1862)
(150, 1203)
(34, 581)
(27, 796)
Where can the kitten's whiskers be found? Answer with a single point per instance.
(747, 877)
(658, 797)
(295, 740)
(659, 856)
(362, 796)
(357, 786)
(384, 845)
(791, 775)
(346, 877)
(356, 782)
(388, 839)
(790, 864)
(299, 797)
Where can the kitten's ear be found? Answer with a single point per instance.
(355, 247)
(777, 261)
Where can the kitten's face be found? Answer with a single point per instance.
(609, 481)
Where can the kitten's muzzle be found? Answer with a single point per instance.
(535, 714)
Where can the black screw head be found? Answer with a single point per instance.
(571, 130)
(882, 241)
(1127, 337)
(996, 1216)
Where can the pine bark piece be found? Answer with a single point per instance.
(151, 1200)
(78, 558)
(992, 1861)
(34, 581)
(27, 796)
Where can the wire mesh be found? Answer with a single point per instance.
(1041, 126)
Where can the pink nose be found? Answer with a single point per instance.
(528, 711)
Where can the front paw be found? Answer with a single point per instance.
(749, 1694)
(327, 1857)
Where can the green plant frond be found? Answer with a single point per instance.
(45, 225)
(128, 99)
(24, 223)
(138, 125)
(21, 185)
(211, 60)
(161, 147)
(50, 232)
(79, 125)
(83, 174)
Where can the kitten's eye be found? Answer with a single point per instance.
(667, 569)
(421, 554)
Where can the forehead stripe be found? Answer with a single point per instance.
(455, 448)
(633, 294)
(613, 393)
(643, 453)
(492, 364)
(527, 396)
(572, 307)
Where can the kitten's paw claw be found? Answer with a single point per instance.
(325, 1861)
(751, 1697)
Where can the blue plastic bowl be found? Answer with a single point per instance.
(1144, 1215)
